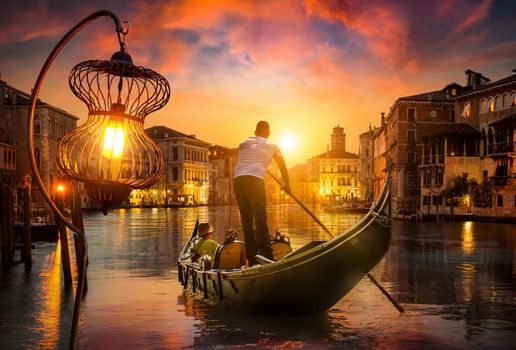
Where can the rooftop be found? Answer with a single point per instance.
(452, 129)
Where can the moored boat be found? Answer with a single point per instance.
(309, 280)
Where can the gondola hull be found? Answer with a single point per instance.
(309, 281)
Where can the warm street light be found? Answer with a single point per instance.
(110, 152)
(60, 188)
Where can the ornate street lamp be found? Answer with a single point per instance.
(110, 152)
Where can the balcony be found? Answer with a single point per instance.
(500, 148)
(442, 159)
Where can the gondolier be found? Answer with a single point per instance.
(254, 155)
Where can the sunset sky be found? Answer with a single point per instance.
(305, 66)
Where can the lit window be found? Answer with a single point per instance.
(491, 104)
(467, 110)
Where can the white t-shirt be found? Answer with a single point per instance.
(254, 155)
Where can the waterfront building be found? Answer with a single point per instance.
(222, 165)
(379, 157)
(399, 142)
(7, 163)
(366, 155)
(50, 125)
(186, 170)
(301, 186)
(490, 108)
(448, 151)
(336, 171)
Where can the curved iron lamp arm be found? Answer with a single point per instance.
(30, 144)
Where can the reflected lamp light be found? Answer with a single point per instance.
(110, 153)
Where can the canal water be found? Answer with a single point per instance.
(456, 281)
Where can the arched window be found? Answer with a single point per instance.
(466, 113)
(37, 125)
(490, 104)
(506, 101)
(174, 153)
(498, 102)
(483, 105)
(37, 156)
(512, 100)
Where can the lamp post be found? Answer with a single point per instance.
(110, 152)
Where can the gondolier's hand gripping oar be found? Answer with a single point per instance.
(371, 277)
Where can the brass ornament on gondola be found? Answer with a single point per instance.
(110, 152)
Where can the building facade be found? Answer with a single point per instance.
(222, 166)
(490, 108)
(186, 173)
(7, 163)
(399, 142)
(366, 155)
(50, 125)
(336, 172)
(448, 151)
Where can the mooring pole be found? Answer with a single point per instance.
(63, 237)
(27, 215)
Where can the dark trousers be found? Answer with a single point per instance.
(251, 199)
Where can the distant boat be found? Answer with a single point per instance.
(309, 280)
(346, 209)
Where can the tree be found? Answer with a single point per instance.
(456, 189)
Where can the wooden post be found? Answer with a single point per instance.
(437, 210)
(77, 222)
(63, 237)
(3, 228)
(27, 215)
(417, 211)
(403, 209)
(10, 223)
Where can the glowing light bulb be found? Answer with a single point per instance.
(111, 153)
(114, 139)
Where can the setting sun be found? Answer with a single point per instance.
(288, 142)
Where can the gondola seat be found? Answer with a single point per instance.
(280, 249)
(230, 256)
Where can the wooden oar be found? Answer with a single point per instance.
(323, 226)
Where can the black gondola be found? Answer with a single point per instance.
(309, 280)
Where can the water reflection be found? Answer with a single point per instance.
(468, 239)
(456, 281)
(47, 319)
